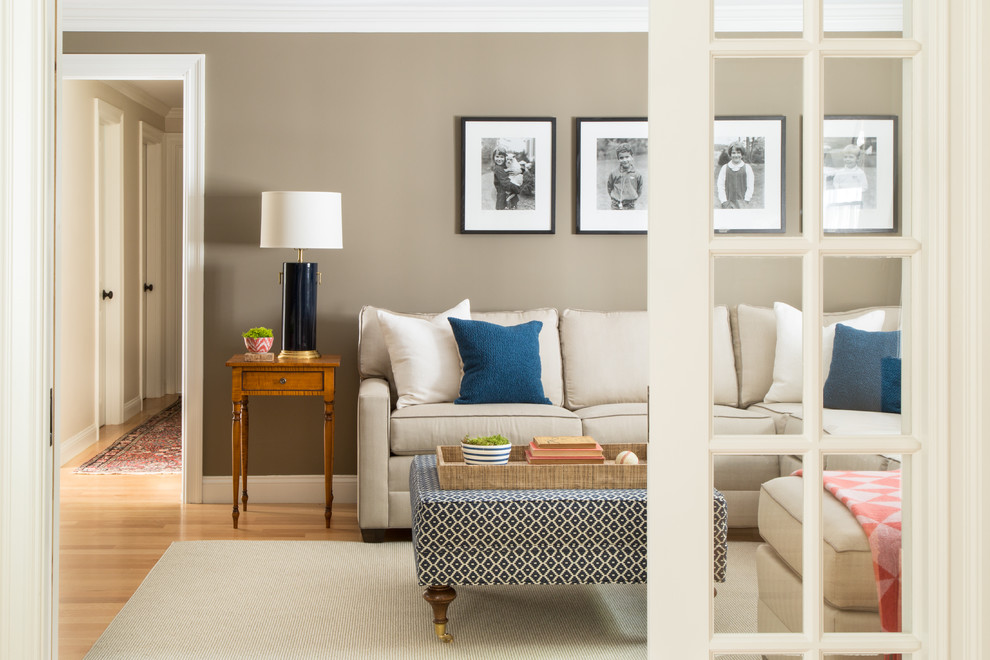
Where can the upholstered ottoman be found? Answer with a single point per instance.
(529, 537)
(849, 586)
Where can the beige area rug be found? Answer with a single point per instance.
(329, 599)
(735, 605)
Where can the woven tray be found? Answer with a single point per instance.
(454, 474)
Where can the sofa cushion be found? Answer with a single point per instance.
(423, 355)
(725, 382)
(604, 356)
(501, 363)
(419, 429)
(727, 420)
(550, 363)
(373, 359)
(787, 417)
(787, 361)
(846, 557)
(855, 380)
(615, 422)
(754, 340)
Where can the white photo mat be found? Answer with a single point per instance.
(475, 217)
(591, 218)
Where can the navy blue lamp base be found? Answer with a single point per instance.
(299, 282)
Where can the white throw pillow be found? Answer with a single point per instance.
(725, 385)
(424, 357)
(787, 370)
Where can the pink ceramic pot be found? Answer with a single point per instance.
(258, 344)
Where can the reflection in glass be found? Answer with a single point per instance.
(865, 146)
(862, 545)
(878, 18)
(755, 597)
(862, 356)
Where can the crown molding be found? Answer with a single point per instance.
(453, 16)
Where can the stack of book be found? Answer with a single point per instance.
(569, 449)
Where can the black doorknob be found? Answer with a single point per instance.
(149, 287)
(107, 294)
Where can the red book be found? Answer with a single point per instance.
(564, 452)
(564, 460)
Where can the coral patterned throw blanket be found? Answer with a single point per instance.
(875, 500)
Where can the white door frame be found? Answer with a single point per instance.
(173, 262)
(191, 70)
(108, 186)
(152, 246)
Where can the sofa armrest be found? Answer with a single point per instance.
(374, 410)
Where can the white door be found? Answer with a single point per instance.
(110, 297)
(153, 286)
(774, 250)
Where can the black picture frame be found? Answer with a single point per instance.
(866, 201)
(760, 207)
(601, 206)
(517, 195)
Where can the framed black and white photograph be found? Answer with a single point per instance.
(612, 176)
(748, 167)
(507, 175)
(860, 171)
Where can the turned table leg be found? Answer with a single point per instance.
(439, 596)
(244, 452)
(235, 453)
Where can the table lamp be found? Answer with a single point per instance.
(300, 221)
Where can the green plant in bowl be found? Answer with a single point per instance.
(486, 441)
(255, 333)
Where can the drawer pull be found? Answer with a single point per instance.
(281, 381)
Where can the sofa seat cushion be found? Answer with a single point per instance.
(420, 429)
(735, 421)
(789, 420)
(615, 422)
(846, 558)
(787, 417)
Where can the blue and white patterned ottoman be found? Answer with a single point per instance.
(529, 536)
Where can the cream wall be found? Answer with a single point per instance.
(77, 249)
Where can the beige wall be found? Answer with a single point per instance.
(77, 267)
(375, 117)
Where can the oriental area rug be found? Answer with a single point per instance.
(334, 599)
(154, 447)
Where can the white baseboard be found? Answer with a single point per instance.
(70, 448)
(133, 407)
(283, 489)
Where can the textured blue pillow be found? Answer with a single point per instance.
(854, 381)
(890, 385)
(501, 363)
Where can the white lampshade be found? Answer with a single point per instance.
(301, 220)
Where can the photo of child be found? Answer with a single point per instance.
(849, 168)
(739, 168)
(622, 181)
(507, 179)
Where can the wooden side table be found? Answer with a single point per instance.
(281, 377)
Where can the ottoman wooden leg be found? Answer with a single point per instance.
(439, 596)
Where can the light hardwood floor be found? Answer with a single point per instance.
(114, 528)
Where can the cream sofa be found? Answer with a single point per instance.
(594, 371)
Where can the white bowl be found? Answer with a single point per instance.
(486, 454)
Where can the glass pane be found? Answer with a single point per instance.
(751, 394)
(760, 592)
(862, 544)
(862, 361)
(870, 656)
(863, 147)
(757, 657)
(740, 19)
(877, 18)
(756, 157)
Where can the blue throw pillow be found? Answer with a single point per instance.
(890, 385)
(501, 363)
(854, 378)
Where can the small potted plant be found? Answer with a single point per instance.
(486, 450)
(258, 340)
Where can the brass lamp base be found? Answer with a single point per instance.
(298, 355)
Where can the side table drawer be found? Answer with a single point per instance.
(281, 380)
